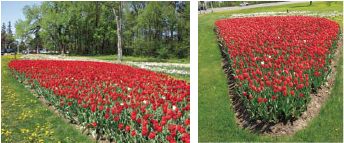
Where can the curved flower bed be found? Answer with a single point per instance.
(278, 61)
(117, 102)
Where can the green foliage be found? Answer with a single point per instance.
(89, 28)
(3, 29)
(7, 36)
(9, 28)
(3, 35)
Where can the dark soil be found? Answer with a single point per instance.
(281, 128)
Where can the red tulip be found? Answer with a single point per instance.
(133, 133)
(259, 100)
(152, 135)
(127, 128)
(94, 124)
(120, 126)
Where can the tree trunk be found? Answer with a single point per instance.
(97, 20)
(310, 3)
(102, 50)
(119, 30)
(172, 37)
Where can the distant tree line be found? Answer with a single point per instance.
(155, 29)
(7, 39)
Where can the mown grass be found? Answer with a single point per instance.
(179, 76)
(25, 119)
(216, 119)
(140, 59)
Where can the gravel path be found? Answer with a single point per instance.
(171, 68)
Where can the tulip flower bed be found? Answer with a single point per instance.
(277, 62)
(116, 102)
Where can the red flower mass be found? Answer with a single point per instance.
(275, 58)
(137, 99)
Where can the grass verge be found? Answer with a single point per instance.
(139, 59)
(216, 119)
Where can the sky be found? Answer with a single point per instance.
(13, 10)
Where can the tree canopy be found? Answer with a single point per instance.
(7, 38)
(156, 29)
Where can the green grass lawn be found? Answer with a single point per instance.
(25, 119)
(140, 59)
(179, 76)
(216, 120)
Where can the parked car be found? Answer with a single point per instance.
(33, 52)
(24, 52)
(244, 4)
(3, 51)
(8, 52)
(42, 51)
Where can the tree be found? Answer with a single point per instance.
(3, 35)
(33, 15)
(3, 29)
(310, 3)
(9, 35)
(155, 29)
(21, 29)
(9, 28)
(21, 32)
(119, 29)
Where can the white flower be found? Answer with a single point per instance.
(174, 108)
(163, 97)
(262, 62)
(144, 101)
